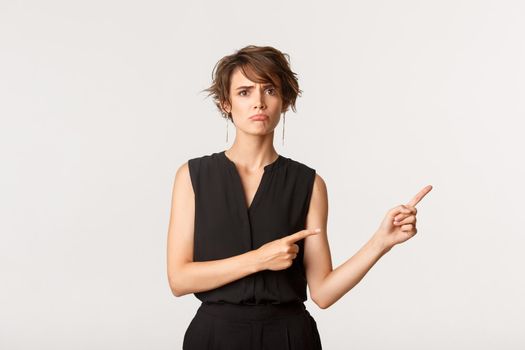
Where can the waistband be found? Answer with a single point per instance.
(244, 312)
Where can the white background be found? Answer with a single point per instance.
(100, 103)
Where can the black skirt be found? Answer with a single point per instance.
(227, 326)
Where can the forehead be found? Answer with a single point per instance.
(239, 79)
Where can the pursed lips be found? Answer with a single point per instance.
(259, 117)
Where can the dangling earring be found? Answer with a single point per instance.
(284, 120)
(227, 117)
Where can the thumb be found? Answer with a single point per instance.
(302, 234)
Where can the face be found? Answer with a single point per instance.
(248, 99)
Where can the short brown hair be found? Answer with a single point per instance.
(261, 64)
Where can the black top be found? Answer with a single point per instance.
(225, 227)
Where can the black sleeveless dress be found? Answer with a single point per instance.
(264, 310)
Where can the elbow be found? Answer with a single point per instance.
(178, 281)
(177, 289)
(323, 304)
(322, 300)
(176, 292)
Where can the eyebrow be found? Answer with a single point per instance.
(252, 86)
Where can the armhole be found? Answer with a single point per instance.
(193, 169)
(310, 188)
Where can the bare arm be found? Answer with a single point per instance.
(328, 285)
(184, 275)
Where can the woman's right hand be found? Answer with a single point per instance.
(279, 254)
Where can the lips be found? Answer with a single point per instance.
(259, 117)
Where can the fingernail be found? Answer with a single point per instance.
(317, 230)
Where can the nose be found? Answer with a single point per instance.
(259, 100)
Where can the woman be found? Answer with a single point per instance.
(247, 231)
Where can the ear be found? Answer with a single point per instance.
(225, 106)
(285, 108)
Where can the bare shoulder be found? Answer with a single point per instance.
(319, 183)
(319, 193)
(317, 215)
(183, 171)
(182, 182)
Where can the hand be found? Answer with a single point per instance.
(279, 254)
(399, 223)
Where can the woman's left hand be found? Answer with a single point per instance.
(399, 223)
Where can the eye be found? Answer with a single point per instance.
(240, 93)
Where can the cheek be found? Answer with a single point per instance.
(240, 103)
(276, 100)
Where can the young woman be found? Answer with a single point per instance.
(247, 231)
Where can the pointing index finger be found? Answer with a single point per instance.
(302, 234)
(418, 197)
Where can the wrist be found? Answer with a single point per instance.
(256, 261)
(379, 245)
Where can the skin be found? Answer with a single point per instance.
(251, 151)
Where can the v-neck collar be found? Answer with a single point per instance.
(262, 183)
